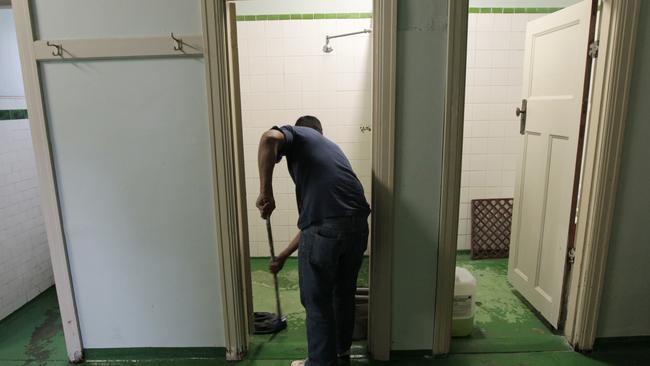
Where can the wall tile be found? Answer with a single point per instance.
(491, 143)
(272, 65)
(271, 29)
(25, 269)
(285, 75)
(485, 22)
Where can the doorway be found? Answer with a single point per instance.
(284, 72)
(517, 197)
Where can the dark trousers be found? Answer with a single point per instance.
(329, 257)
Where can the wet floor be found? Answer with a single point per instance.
(33, 336)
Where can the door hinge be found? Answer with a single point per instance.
(571, 255)
(593, 49)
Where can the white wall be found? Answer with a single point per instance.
(491, 140)
(626, 296)
(12, 94)
(265, 7)
(131, 149)
(284, 75)
(25, 269)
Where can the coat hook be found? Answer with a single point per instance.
(58, 48)
(178, 43)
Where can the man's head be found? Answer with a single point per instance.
(311, 122)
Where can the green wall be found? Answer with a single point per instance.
(626, 298)
(421, 55)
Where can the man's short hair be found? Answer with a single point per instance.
(311, 122)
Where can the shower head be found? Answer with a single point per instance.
(327, 48)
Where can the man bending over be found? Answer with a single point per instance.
(333, 234)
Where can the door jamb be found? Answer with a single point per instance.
(452, 148)
(604, 143)
(603, 146)
(227, 176)
(384, 19)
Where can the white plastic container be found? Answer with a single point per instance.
(463, 311)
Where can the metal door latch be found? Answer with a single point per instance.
(521, 113)
(571, 255)
(593, 49)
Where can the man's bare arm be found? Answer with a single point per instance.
(276, 266)
(267, 156)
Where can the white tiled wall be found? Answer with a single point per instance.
(491, 138)
(25, 269)
(284, 75)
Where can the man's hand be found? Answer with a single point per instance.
(276, 265)
(266, 204)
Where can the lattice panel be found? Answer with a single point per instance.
(491, 224)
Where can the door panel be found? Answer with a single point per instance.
(554, 69)
(131, 148)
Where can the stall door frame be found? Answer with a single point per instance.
(603, 143)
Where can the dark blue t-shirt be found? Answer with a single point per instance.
(326, 186)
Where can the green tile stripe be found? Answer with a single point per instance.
(473, 10)
(131, 354)
(8, 114)
(513, 10)
(311, 16)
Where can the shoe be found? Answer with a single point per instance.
(298, 363)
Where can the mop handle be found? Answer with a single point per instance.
(275, 275)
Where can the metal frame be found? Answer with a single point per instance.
(603, 144)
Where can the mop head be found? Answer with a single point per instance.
(269, 323)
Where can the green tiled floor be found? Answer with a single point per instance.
(503, 322)
(291, 343)
(33, 336)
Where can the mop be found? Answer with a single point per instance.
(269, 323)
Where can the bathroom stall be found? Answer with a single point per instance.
(121, 125)
(295, 59)
(497, 145)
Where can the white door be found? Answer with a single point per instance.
(554, 79)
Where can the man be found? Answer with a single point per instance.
(333, 234)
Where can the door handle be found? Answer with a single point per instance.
(521, 113)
